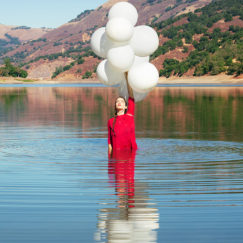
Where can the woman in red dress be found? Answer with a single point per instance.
(121, 128)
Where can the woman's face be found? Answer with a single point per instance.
(120, 104)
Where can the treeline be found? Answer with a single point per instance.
(215, 52)
(82, 15)
(13, 40)
(77, 54)
(6, 44)
(62, 69)
(9, 70)
(21, 28)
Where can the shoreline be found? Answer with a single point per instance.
(218, 79)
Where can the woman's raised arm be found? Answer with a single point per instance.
(129, 89)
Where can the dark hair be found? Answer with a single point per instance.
(114, 121)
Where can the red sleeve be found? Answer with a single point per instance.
(109, 132)
(131, 106)
(133, 138)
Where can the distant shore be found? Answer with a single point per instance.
(218, 79)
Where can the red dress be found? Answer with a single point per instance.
(123, 136)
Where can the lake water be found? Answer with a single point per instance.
(57, 184)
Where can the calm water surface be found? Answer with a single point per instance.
(184, 184)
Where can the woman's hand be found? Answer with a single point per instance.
(109, 149)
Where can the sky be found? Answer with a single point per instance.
(43, 13)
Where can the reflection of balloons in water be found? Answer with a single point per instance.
(144, 222)
(144, 41)
(143, 77)
(127, 48)
(124, 10)
(108, 75)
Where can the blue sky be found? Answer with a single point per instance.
(43, 13)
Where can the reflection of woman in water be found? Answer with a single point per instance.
(129, 218)
(121, 174)
(121, 128)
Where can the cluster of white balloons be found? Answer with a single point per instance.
(126, 48)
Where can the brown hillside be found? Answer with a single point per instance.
(44, 69)
(224, 26)
(22, 34)
(78, 32)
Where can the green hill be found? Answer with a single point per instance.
(217, 50)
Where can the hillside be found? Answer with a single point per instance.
(193, 41)
(208, 41)
(12, 37)
(67, 47)
(23, 33)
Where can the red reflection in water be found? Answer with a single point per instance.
(121, 167)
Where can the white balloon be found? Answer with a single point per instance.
(101, 43)
(119, 29)
(124, 92)
(145, 40)
(125, 10)
(123, 89)
(121, 57)
(96, 42)
(143, 77)
(139, 96)
(138, 60)
(108, 75)
(106, 44)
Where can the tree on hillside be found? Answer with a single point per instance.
(10, 70)
(216, 51)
